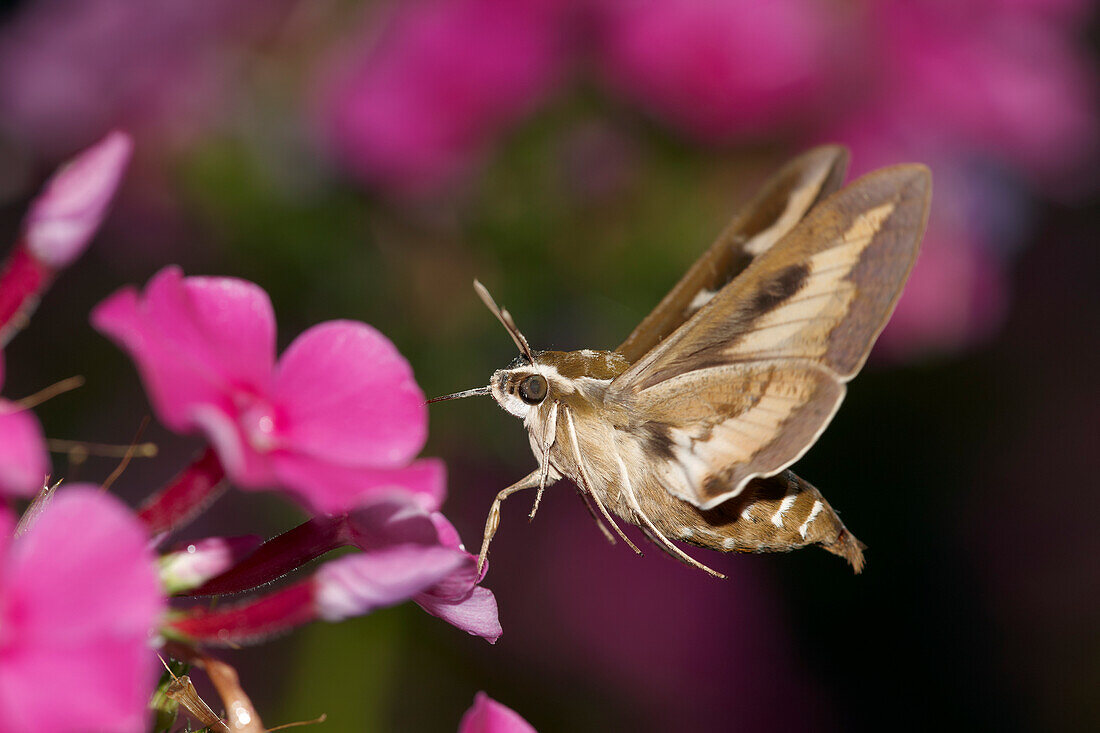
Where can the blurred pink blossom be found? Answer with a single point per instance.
(79, 602)
(487, 715)
(72, 69)
(435, 84)
(62, 219)
(24, 461)
(984, 92)
(988, 80)
(955, 297)
(717, 70)
(338, 415)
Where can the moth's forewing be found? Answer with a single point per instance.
(780, 205)
(746, 386)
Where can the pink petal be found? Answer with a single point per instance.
(24, 461)
(448, 535)
(356, 584)
(345, 394)
(457, 599)
(63, 218)
(476, 615)
(390, 517)
(247, 467)
(489, 716)
(7, 530)
(80, 602)
(328, 488)
(196, 341)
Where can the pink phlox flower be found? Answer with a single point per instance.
(717, 70)
(441, 80)
(24, 461)
(404, 555)
(459, 599)
(487, 715)
(69, 210)
(339, 414)
(456, 597)
(79, 602)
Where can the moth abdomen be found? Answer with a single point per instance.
(775, 514)
(781, 513)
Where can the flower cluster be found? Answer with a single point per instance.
(336, 423)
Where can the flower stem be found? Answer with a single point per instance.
(22, 282)
(186, 496)
(279, 556)
(247, 622)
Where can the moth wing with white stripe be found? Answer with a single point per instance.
(782, 202)
(746, 385)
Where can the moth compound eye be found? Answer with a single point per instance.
(533, 389)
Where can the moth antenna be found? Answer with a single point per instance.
(505, 319)
(476, 392)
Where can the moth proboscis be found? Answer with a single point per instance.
(687, 429)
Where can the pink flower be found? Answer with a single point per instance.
(339, 414)
(68, 212)
(719, 69)
(455, 597)
(79, 600)
(404, 556)
(62, 220)
(458, 599)
(442, 79)
(72, 69)
(24, 461)
(409, 551)
(487, 715)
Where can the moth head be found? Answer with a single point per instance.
(525, 386)
(522, 386)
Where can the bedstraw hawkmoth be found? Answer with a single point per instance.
(686, 430)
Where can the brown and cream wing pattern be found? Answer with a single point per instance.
(780, 205)
(747, 384)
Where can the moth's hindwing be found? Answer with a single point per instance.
(782, 202)
(747, 384)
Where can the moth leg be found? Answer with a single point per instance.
(652, 532)
(592, 512)
(587, 485)
(607, 516)
(543, 475)
(548, 443)
(529, 481)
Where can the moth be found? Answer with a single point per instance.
(687, 429)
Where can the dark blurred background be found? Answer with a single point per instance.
(368, 160)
